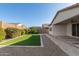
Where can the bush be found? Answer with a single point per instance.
(12, 32)
(2, 34)
(22, 31)
(27, 30)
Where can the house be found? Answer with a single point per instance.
(45, 28)
(66, 22)
(16, 25)
(5, 25)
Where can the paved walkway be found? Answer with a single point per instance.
(49, 49)
(69, 45)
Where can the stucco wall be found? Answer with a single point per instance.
(66, 15)
(59, 30)
(51, 31)
(69, 29)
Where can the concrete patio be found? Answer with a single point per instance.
(69, 45)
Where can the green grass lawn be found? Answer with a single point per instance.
(26, 40)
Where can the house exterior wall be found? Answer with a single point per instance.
(69, 29)
(51, 30)
(59, 30)
(19, 27)
(45, 28)
(11, 26)
(62, 24)
(64, 15)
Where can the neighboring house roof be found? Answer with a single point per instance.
(67, 8)
(19, 25)
(14, 23)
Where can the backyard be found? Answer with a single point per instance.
(25, 40)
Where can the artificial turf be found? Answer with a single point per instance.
(34, 40)
(26, 40)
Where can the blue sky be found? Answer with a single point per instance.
(30, 14)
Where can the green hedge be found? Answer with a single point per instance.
(2, 34)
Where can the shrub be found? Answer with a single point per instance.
(22, 31)
(2, 34)
(12, 32)
(27, 30)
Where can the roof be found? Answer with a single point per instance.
(64, 9)
(14, 23)
(70, 7)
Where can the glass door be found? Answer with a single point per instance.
(78, 29)
(73, 29)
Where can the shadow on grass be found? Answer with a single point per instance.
(34, 40)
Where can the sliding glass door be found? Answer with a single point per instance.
(75, 29)
(78, 29)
